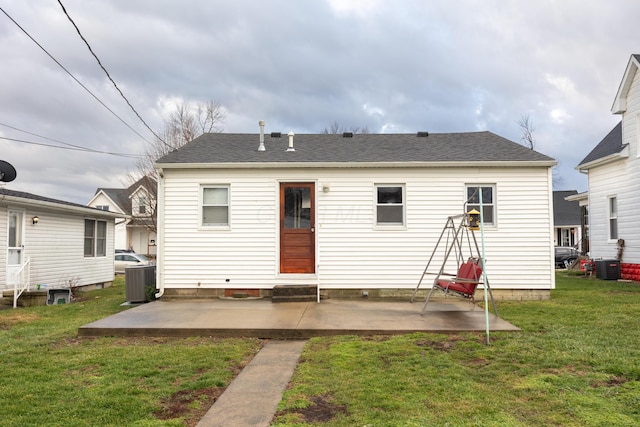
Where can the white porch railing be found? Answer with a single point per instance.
(22, 281)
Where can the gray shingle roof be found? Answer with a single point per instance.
(35, 197)
(565, 212)
(223, 148)
(611, 144)
(122, 196)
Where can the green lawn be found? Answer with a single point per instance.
(576, 362)
(48, 376)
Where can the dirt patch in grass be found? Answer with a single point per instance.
(7, 321)
(444, 345)
(191, 405)
(322, 410)
(611, 382)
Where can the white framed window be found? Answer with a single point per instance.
(472, 198)
(102, 207)
(390, 204)
(613, 218)
(95, 238)
(215, 206)
(142, 205)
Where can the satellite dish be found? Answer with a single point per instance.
(7, 172)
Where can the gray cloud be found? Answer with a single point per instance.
(397, 66)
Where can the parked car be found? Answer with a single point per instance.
(565, 256)
(124, 260)
(125, 251)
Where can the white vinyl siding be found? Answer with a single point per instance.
(622, 179)
(56, 248)
(350, 254)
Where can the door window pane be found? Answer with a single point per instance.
(15, 229)
(297, 207)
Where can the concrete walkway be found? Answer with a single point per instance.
(252, 398)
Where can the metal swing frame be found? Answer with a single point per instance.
(456, 236)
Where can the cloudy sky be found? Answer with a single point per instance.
(392, 66)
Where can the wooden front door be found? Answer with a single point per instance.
(297, 227)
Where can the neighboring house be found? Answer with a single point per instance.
(349, 213)
(567, 229)
(613, 170)
(135, 229)
(53, 243)
(583, 202)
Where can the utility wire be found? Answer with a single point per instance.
(72, 147)
(108, 75)
(73, 77)
(66, 143)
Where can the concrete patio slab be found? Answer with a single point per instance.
(299, 320)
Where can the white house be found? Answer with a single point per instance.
(613, 170)
(349, 212)
(53, 243)
(135, 228)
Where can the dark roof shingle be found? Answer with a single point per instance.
(221, 148)
(35, 197)
(611, 144)
(565, 212)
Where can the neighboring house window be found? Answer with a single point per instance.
(613, 218)
(389, 204)
(488, 201)
(95, 238)
(638, 135)
(215, 206)
(142, 205)
(103, 207)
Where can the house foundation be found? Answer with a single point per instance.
(373, 294)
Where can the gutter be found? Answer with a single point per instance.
(160, 235)
(326, 165)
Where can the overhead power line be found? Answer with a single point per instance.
(108, 75)
(73, 77)
(73, 146)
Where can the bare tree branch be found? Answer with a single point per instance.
(336, 128)
(181, 126)
(526, 126)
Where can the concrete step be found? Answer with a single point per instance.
(294, 293)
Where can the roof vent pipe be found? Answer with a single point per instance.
(261, 146)
(291, 134)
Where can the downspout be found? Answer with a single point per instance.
(160, 236)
